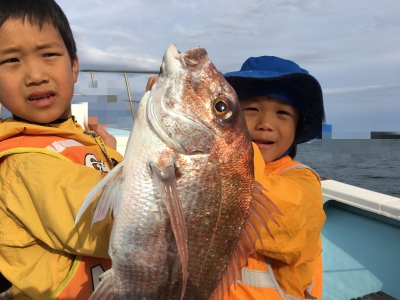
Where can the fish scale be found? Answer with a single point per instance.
(185, 190)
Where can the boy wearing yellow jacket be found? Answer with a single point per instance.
(283, 107)
(48, 163)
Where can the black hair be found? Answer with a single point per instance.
(297, 134)
(39, 13)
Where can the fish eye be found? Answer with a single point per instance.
(222, 108)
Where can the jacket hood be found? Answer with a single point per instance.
(10, 127)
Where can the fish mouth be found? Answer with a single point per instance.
(192, 60)
(174, 51)
(172, 61)
(195, 58)
(175, 67)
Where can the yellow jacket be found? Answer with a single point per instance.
(40, 195)
(295, 254)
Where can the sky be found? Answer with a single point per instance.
(351, 47)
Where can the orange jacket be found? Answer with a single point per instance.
(82, 278)
(47, 171)
(290, 266)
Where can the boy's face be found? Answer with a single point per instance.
(36, 76)
(271, 123)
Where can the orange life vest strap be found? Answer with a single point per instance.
(65, 149)
(82, 279)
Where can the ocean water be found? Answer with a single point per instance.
(369, 164)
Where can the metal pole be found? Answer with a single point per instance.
(129, 95)
(92, 76)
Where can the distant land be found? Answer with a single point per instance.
(382, 135)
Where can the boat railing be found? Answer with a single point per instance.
(124, 72)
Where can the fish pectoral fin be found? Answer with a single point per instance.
(165, 180)
(110, 197)
(104, 290)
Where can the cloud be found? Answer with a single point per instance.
(351, 47)
(120, 33)
(116, 58)
(93, 54)
(310, 6)
(191, 33)
(343, 90)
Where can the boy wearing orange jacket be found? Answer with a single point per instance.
(283, 107)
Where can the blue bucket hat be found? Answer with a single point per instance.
(285, 80)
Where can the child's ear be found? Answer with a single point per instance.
(75, 68)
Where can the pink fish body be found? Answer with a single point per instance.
(184, 195)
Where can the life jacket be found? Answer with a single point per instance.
(65, 149)
(82, 279)
(258, 279)
(83, 276)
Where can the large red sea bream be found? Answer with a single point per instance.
(185, 202)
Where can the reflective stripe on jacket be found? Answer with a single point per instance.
(258, 282)
(266, 276)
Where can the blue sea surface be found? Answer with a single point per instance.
(366, 163)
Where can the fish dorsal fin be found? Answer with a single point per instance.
(260, 212)
(166, 182)
(110, 198)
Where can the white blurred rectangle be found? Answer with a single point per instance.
(122, 137)
(80, 111)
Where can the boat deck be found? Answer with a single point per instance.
(361, 242)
